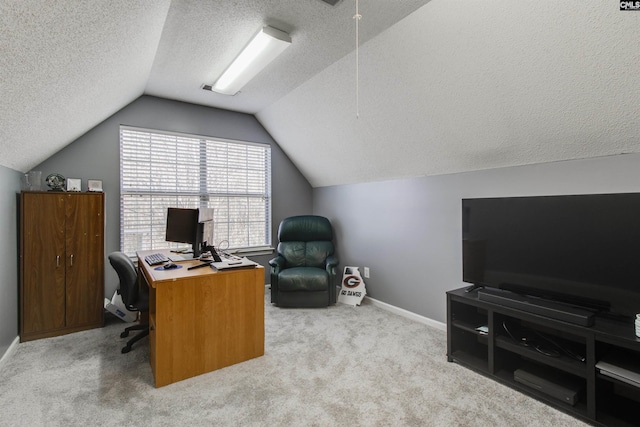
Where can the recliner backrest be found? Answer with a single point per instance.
(126, 270)
(305, 240)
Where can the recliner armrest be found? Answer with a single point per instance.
(331, 264)
(277, 264)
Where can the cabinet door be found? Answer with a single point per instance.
(42, 264)
(84, 259)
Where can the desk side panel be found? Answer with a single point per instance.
(207, 322)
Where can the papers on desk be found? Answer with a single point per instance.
(227, 264)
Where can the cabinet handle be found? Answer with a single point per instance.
(71, 260)
(58, 261)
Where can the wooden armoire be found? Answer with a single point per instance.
(61, 263)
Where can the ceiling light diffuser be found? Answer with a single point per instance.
(265, 46)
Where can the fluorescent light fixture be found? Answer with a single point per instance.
(261, 50)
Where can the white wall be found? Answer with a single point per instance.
(9, 189)
(409, 231)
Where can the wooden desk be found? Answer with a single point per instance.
(201, 320)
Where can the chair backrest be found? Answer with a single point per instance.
(126, 270)
(305, 240)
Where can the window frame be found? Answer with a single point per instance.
(151, 235)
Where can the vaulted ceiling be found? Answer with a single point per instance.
(440, 87)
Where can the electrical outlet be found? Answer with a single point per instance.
(366, 272)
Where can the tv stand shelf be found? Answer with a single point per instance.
(517, 341)
(562, 363)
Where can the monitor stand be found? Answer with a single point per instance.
(181, 255)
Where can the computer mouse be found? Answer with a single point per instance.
(170, 265)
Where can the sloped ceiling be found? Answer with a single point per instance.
(65, 66)
(200, 38)
(442, 86)
(469, 85)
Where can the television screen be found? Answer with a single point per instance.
(581, 249)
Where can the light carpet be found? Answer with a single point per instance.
(339, 366)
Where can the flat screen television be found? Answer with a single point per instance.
(578, 249)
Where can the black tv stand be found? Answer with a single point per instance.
(543, 307)
(477, 340)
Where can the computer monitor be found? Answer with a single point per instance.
(183, 227)
(192, 226)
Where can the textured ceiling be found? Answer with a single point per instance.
(470, 85)
(201, 37)
(65, 66)
(443, 86)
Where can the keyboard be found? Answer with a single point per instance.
(155, 259)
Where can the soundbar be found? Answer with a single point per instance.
(552, 309)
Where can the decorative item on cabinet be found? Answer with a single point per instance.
(32, 181)
(56, 182)
(74, 184)
(94, 185)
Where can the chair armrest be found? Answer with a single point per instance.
(277, 264)
(331, 264)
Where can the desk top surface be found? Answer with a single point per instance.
(161, 275)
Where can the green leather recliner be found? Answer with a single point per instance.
(303, 272)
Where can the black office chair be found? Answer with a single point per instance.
(132, 297)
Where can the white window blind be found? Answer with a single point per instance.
(161, 169)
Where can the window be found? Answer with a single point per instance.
(162, 169)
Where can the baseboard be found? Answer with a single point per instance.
(399, 311)
(408, 314)
(9, 351)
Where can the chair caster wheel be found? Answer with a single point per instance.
(126, 349)
(124, 334)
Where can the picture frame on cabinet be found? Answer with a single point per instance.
(94, 185)
(74, 184)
